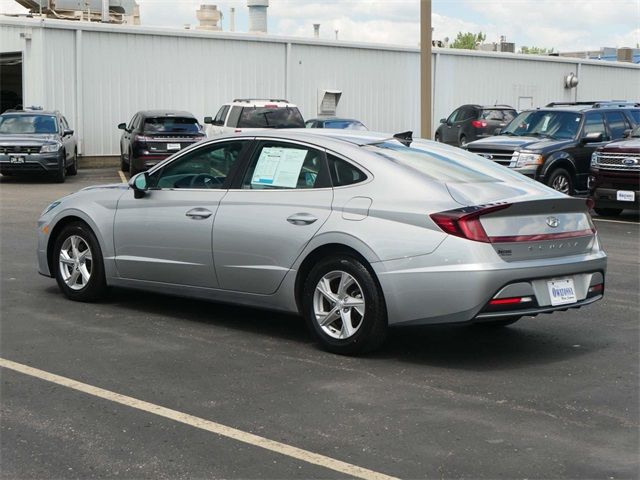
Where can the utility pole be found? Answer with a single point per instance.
(426, 107)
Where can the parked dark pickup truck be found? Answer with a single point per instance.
(615, 176)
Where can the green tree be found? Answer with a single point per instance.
(535, 50)
(468, 40)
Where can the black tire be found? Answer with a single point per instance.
(463, 140)
(61, 172)
(124, 166)
(503, 322)
(371, 330)
(96, 286)
(132, 169)
(608, 212)
(437, 138)
(561, 180)
(73, 168)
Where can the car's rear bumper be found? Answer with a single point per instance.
(39, 163)
(429, 290)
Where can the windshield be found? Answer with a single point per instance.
(344, 124)
(26, 124)
(541, 123)
(171, 125)
(270, 117)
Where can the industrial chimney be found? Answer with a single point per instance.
(208, 16)
(258, 15)
(316, 30)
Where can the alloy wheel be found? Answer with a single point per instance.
(339, 305)
(75, 262)
(561, 184)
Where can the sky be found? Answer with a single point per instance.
(565, 25)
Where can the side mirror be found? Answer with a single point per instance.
(208, 120)
(140, 184)
(627, 133)
(122, 126)
(593, 137)
(67, 133)
(443, 120)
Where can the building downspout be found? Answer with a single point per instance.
(287, 71)
(78, 113)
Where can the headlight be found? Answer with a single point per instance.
(50, 147)
(595, 159)
(527, 159)
(50, 207)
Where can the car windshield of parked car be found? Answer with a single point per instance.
(270, 117)
(541, 123)
(442, 163)
(344, 124)
(171, 125)
(28, 124)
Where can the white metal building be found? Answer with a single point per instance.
(99, 75)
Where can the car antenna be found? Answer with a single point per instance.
(404, 138)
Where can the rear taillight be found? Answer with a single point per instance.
(478, 123)
(465, 222)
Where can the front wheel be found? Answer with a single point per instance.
(437, 138)
(73, 168)
(608, 212)
(61, 172)
(344, 306)
(132, 168)
(561, 180)
(77, 263)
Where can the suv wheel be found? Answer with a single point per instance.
(437, 138)
(132, 169)
(344, 306)
(560, 180)
(123, 164)
(608, 212)
(61, 173)
(73, 168)
(463, 140)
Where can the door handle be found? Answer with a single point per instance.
(301, 219)
(199, 213)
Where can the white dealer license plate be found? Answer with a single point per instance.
(16, 159)
(562, 291)
(173, 146)
(625, 196)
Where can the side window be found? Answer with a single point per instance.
(635, 114)
(218, 116)
(133, 122)
(234, 116)
(281, 165)
(469, 114)
(343, 173)
(594, 123)
(204, 168)
(454, 116)
(617, 124)
(65, 125)
(221, 115)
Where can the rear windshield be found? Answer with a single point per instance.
(345, 124)
(444, 164)
(265, 117)
(171, 125)
(25, 124)
(499, 115)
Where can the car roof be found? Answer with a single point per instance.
(352, 137)
(31, 112)
(260, 102)
(166, 113)
(329, 119)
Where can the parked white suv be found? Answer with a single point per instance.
(251, 114)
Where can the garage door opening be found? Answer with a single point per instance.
(10, 81)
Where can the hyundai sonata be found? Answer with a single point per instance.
(356, 231)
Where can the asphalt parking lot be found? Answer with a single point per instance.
(554, 396)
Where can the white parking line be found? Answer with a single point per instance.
(208, 425)
(615, 221)
(122, 177)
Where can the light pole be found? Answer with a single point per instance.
(426, 107)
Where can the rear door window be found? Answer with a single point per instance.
(171, 125)
(617, 124)
(270, 117)
(234, 116)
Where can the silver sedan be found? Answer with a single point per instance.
(356, 231)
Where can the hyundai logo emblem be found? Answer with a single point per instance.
(488, 156)
(553, 222)
(629, 161)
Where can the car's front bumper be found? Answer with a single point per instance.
(434, 288)
(31, 163)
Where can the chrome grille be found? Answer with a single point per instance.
(503, 157)
(7, 149)
(618, 161)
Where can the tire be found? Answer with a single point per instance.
(73, 169)
(88, 270)
(61, 173)
(437, 138)
(124, 166)
(503, 322)
(560, 180)
(608, 212)
(463, 140)
(132, 169)
(367, 316)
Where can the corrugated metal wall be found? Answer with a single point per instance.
(100, 75)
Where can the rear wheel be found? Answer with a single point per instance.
(344, 306)
(503, 322)
(560, 180)
(132, 168)
(77, 263)
(608, 212)
(463, 141)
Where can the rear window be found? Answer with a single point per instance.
(498, 115)
(171, 125)
(264, 117)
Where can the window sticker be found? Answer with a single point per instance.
(279, 167)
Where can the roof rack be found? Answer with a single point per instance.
(249, 100)
(597, 103)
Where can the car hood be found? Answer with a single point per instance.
(624, 146)
(27, 139)
(108, 186)
(507, 142)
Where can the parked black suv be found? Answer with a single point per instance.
(554, 144)
(33, 141)
(615, 176)
(471, 122)
(153, 135)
